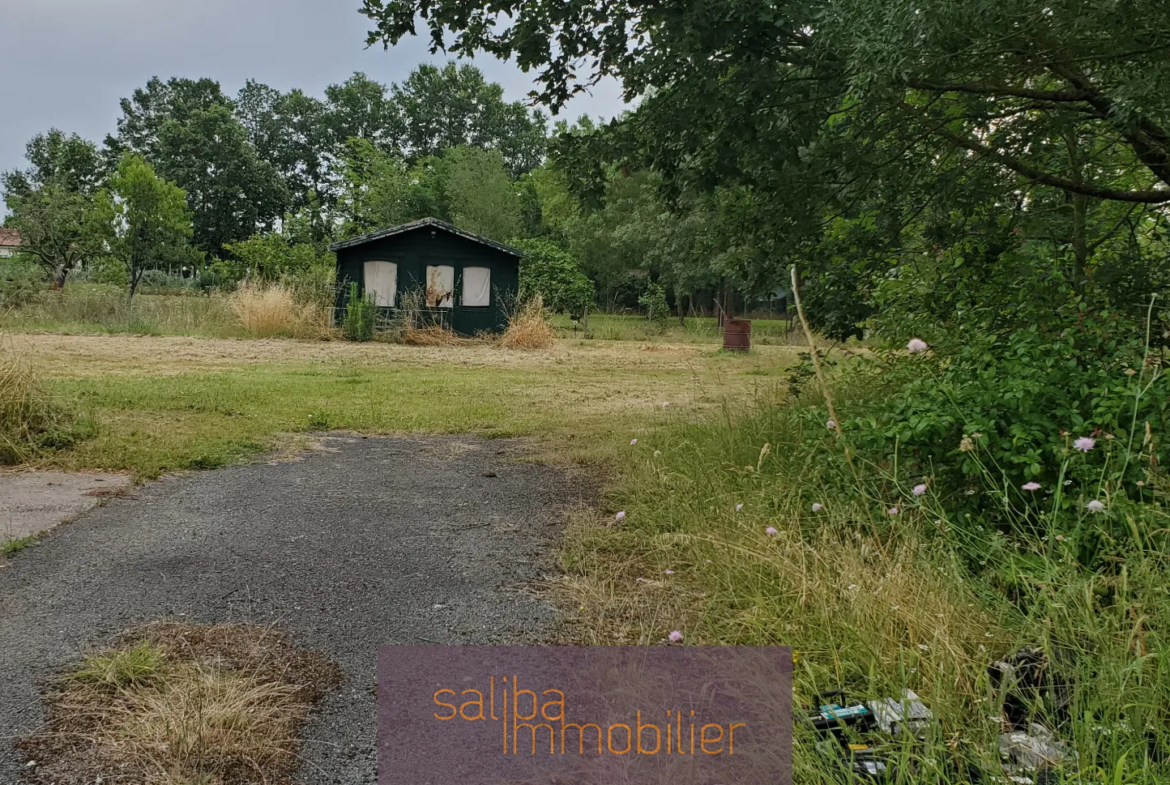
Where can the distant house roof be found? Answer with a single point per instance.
(434, 223)
(9, 237)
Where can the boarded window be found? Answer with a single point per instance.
(440, 286)
(382, 282)
(477, 286)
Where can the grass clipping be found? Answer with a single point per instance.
(528, 328)
(178, 704)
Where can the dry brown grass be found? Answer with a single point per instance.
(528, 328)
(173, 703)
(273, 311)
(433, 336)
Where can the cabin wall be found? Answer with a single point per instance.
(414, 251)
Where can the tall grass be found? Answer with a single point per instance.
(875, 602)
(32, 422)
(528, 327)
(274, 311)
(95, 308)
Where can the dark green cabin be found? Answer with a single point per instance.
(468, 282)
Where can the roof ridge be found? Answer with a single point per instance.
(418, 224)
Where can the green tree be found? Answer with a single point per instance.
(68, 161)
(59, 229)
(480, 195)
(150, 221)
(231, 192)
(360, 108)
(454, 106)
(550, 271)
(151, 107)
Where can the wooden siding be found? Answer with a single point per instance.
(414, 251)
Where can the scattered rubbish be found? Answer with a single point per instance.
(855, 730)
(1032, 750)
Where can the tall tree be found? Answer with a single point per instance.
(360, 108)
(230, 190)
(64, 160)
(151, 107)
(814, 107)
(480, 195)
(455, 106)
(149, 218)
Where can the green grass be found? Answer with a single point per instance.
(122, 668)
(9, 547)
(697, 329)
(154, 413)
(870, 602)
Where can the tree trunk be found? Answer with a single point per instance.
(59, 277)
(678, 308)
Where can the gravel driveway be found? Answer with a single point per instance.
(363, 543)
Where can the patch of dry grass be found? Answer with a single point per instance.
(528, 328)
(273, 311)
(172, 704)
(30, 419)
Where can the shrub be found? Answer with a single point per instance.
(653, 300)
(20, 282)
(549, 271)
(361, 316)
(110, 271)
(273, 311)
(273, 257)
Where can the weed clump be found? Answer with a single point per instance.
(528, 328)
(274, 311)
(175, 703)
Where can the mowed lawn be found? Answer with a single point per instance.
(171, 403)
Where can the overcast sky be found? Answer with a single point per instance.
(65, 63)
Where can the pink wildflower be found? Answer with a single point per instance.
(621, 516)
(633, 442)
(916, 345)
(1084, 444)
(1031, 486)
(831, 425)
(892, 511)
(771, 531)
(739, 507)
(919, 489)
(675, 636)
(817, 507)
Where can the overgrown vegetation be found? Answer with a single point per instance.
(32, 421)
(176, 703)
(361, 316)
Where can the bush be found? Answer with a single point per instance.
(361, 316)
(20, 282)
(550, 272)
(108, 271)
(273, 257)
(654, 303)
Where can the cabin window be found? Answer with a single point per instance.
(382, 282)
(477, 286)
(440, 286)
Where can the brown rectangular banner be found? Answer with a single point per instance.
(552, 715)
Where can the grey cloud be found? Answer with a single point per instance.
(66, 63)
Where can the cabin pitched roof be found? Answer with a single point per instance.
(434, 223)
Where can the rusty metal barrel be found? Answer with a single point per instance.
(737, 335)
